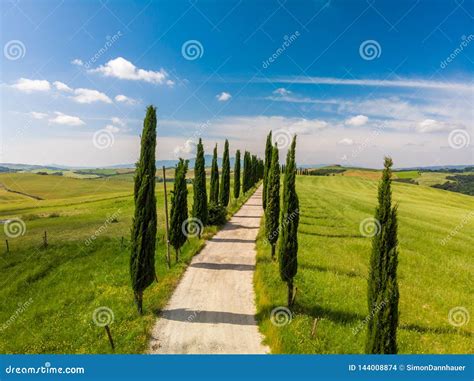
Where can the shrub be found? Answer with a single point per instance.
(217, 214)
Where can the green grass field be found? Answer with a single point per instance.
(51, 293)
(333, 262)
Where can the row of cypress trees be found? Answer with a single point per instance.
(281, 226)
(144, 225)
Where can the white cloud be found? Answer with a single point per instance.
(223, 97)
(38, 115)
(66, 120)
(409, 83)
(185, 150)
(77, 62)
(346, 142)
(124, 99)
(112, 129)
(31, 85)
(123, 69)
(282, 91)
(431, 125)
(117, 121)
(357, 121)
(62, 86)
(90, 96)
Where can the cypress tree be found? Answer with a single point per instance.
(179, 207)
(254, 170)
(268, 163)
(247, 173)
(382, 291)
(214, 190)
(288, 248)
(143, 237)
(224, 193)
(199, 185)
(272, 212)
(237, 175)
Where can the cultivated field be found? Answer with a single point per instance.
(51, 293)
(333, 266)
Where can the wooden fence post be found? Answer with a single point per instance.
(109, 335)
(168, 260)
(45, 240)
(8, 247)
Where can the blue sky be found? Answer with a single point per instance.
(355, 80)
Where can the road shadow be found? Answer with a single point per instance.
(436, 330)
(350, 274)
(232, 240)
(212, 317)
(223, 266)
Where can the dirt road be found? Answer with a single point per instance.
(212, 309)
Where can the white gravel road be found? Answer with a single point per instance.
(212, 310)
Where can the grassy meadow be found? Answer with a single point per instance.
(333, 263)
(49, 294)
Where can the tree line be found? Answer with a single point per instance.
(281, 228)
(281, 223)
(212, 211)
